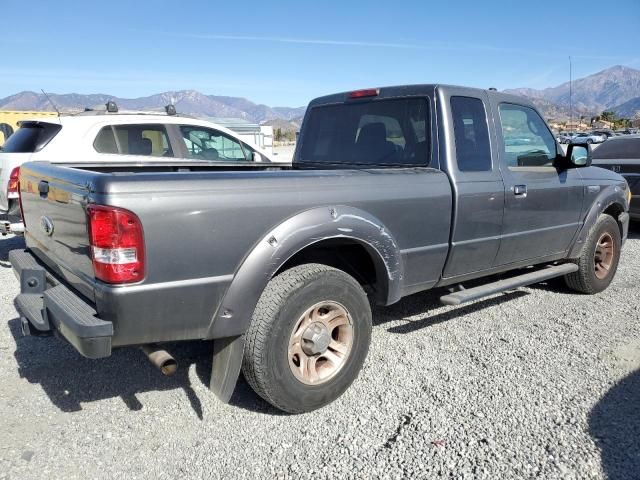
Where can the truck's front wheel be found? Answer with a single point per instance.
(308, 338)
(599, 258)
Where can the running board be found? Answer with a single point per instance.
(481, 291)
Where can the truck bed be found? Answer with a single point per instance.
(200, 224)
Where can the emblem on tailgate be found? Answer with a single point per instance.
(46, 224)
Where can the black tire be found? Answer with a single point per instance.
(589, 141)
(586, 280)
(266, 363)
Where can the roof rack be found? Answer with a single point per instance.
(87, 112)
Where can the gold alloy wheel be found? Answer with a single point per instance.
(320, 343)
(604, 255)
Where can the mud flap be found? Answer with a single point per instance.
(225, 369)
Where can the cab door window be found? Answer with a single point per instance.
(527, 140)
(208, 144)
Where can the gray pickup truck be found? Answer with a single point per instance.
(392, 191)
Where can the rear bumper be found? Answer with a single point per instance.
(47, 306)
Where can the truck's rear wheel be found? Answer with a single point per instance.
(308, 338)
(599, 258)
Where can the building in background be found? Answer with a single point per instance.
(602, 124)
(260, 135)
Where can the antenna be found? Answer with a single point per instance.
(51, 102)
(570, 93)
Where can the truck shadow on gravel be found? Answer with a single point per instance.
(69, 379)
(6, 245)
(614, 424)
(422, 303)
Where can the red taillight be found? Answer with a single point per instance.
(367, 92)
(117, 244)
(13, 180)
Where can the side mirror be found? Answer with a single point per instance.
(256, 157)
(577, 156)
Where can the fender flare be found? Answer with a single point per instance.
(608, 196)
(234, 312)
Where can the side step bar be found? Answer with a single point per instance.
(481, 291)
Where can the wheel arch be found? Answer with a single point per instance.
(305, 235)
(615, 209)
(610, 201)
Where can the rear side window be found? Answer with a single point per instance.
(619, 148)
(378, 133)
(473, 152)
(106, 141)
(31, 137)
(146, 140)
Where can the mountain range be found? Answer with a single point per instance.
(616, 88)
(190, 102)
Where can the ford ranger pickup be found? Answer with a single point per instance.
(392, 191)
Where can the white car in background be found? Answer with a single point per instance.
(110, 137)
(565, 138)
(587, 138)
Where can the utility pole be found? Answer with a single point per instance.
(570, 94)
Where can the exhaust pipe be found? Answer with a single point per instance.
(161, 359)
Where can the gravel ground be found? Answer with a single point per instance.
(537, 383)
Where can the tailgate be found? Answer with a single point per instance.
(54, 201)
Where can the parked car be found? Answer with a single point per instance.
(105, 138)
(565, 138)
(622, 155)
(392, 191)
(604, 132)
(587, 138)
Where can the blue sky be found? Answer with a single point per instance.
(285, 53)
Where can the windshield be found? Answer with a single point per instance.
(378, 133)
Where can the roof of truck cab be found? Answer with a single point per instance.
(420, 89)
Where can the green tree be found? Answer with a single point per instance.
(608, 116)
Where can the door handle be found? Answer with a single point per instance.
(43, 188)
(520, 190)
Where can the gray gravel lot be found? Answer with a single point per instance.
(537, 383)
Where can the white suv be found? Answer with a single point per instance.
(114, 137)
